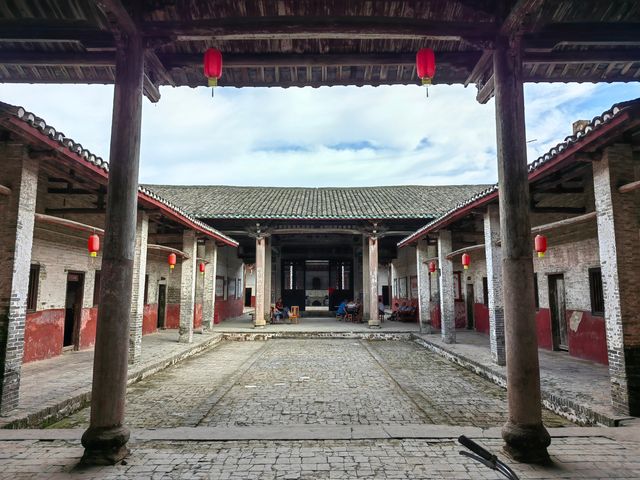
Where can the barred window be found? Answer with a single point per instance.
(32, 293)
(595, 290)
(536, 293)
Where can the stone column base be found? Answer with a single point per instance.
(105, 445)
(374, 323)
(526, 443)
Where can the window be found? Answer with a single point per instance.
(595, 290)
(96, 288)
(536, 294)
(32, 293)
(485, 291)
(146, 289)
(457, 286)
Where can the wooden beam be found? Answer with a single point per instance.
(70, 191)
(564, 223)
(163, 248)
(5, 190)
(291, 28)
(460, 251)
(629, 187)
(33, 31)
(486, 92)
(74, 210)
(612, 34)
(571, 210)
(481, 65)
(231, 60)
(49, 219)
(559, 189)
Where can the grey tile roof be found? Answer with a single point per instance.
(394, 202)
(71, 147)
(592, 128)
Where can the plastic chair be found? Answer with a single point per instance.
(294, 314)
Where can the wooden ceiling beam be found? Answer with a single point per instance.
(154, 70)
(291, 28)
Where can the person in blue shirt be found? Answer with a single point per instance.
(342, 310)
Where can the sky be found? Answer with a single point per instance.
(324, 137)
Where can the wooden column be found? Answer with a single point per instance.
(106, 438)
(374, 321)
(525, 436)
(261, 244)
(268, 274)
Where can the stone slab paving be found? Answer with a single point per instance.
(578, 388)
(314, 382)
(180, 395)
(52, 388)
(594, 457)
(447, 393)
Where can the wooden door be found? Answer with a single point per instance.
(557, 305)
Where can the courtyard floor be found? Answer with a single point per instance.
(313, 408)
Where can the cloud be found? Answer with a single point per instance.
(338, 136)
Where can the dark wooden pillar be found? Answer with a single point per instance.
(106, 438)
(525, 436)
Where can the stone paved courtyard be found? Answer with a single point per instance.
(584, 458)
(315, 409)
(325, 381)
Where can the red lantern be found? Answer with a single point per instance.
(202, 267)
(213, 66)
(93, 245)
(541, 245)
(172, 260)
(426, 65)
(466, 261)
(432, 267)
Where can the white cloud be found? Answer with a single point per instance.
(384, 135)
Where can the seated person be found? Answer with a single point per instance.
(394, 314)
(352, 307)
(280, 312)
(380, 307)
(342, 309)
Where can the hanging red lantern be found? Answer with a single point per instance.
(432, 267)
(93, 245)
(172, 260)
(466, 261)
(425, 65)
(202, 267)
(213, 66)
(541, 245)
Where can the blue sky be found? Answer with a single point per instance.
(338, 136)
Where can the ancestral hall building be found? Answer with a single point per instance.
(314, 247)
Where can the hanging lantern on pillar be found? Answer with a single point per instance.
(426, 66)
(541, 245)
(213, 67)
(93, 245)
(172, 260)
(432, 267)
(202, 268)
(466, 261)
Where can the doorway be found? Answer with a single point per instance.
(470, 300)
(162, 305)
(386, 299)
(247, 297)
(557, 304)
(73, 311)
